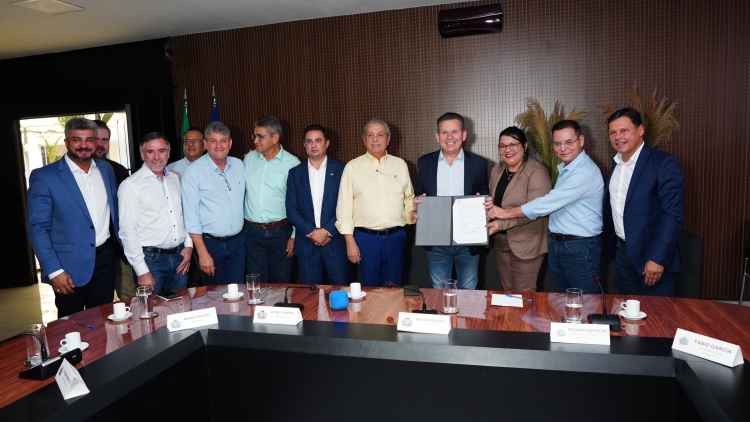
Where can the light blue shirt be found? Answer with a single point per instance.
(265, 196)
(574, 205)
(179, 166)
(450, 178)
(212, 199)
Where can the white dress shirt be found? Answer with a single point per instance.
(317, 187)
(618, 189)
(150, 215)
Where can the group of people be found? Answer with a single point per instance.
(218, 217)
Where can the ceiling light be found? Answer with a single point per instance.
(49, 7)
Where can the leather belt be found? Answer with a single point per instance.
(566, 237)
(268, 226)
(102, 247)
(161, 251)
(220, 239)
(384, 232)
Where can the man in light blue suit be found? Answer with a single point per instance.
(311, 195)
(644, 210)
(72, 222)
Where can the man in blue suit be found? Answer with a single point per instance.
(311, 195)
(452, 171)
(72, 222)
(644, 211)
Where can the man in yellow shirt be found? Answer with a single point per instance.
(375, 202)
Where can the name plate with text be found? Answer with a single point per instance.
(579, 333)
(192, 319)
(274, 315)
(708, 348)
(70, 382)
(424, 323)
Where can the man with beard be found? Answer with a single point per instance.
(102, 151)
(71, 204)
(151, 226)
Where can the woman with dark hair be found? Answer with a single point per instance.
(519, 243)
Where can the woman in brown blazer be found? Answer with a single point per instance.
(519, 243)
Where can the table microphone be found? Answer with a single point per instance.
(44, 353)
(424, 309)
(612, 320)
(286, 304)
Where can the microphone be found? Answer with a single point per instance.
(612, 320)
(424, 309)
(286, 304)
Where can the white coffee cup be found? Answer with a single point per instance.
(232, 290)
(632, 308)
(71, 340)
(356, 290)
(120, 310)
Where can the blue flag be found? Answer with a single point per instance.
(214, 107)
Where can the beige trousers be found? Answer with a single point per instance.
(515, 273)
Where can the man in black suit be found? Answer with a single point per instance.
(452, 171)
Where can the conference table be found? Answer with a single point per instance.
(381, 307)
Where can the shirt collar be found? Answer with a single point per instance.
(633, 158)
(573, 164)
(74, 167)
(322, 165)
(372, 158)
(460, 157)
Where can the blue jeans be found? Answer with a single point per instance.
(632, 283)
(229, 260)
(265, 253)
(164, 269)
(575, 263)
(440, 260)
(382, 258)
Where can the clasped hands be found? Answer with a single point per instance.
(319, 237)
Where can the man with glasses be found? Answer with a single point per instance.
(213, 188)
(312, 190)
(269, 237)
(574, 207)
(193, 148)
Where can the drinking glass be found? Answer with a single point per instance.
(253, 289)
(450, 297)
(573, 305)
(36, 340)
(143, 293)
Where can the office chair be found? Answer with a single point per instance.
(745, 274)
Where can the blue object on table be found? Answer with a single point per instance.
(338, 300)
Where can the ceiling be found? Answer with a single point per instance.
(25, 32)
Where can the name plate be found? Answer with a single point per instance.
(69, 381)
(274, 315)
(192, 319)
(708, 348)
(424, 323)
(579, 333)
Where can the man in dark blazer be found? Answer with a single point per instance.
(311, 196)
(72, 211)
(644, 210)
(452, 171)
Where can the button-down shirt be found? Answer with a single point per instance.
(94, 194)
(450, 178)
(574, 205)
(374, 194)
(618, 189)
(179, 166)
(317, 187)
(212, 199)
(150, 215)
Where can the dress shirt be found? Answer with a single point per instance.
(618, 189)
(450, 178)
(150, 215)
(94, 194)
(265, 199)
(317, 187)
(374, 194)
(212, 199)
(574, 205)
(179, 166)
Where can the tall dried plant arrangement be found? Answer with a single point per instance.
(538, 128)
(658, 115)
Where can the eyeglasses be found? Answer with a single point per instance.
(310, 141)
(226, 182)
(569, 143)
(509, 147)
(259, 136)
(193, 141)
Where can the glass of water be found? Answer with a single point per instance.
(36, 340)
(450, 297)
(573, 305)
(253, 289)
(144, 304)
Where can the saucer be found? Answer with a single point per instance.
(624, 315)
(355, 298)
(127, 315)
(239, 296)
(64, 349)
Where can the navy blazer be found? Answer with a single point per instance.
(60, 227)
(654, 212)
(300, 212)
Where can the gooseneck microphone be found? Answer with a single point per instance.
(45, 355)
(612, 320)
(286, 304)
(424, 309)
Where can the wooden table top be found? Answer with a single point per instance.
(726, 322)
